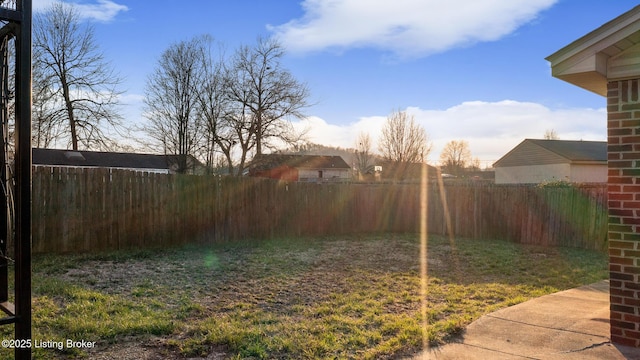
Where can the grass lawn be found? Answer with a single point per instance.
(314, 298)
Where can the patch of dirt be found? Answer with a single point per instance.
(117, 277)
(223, 277)
(130, 351)
(154, 349)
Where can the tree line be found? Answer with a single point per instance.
(199, 103)
(404, 141)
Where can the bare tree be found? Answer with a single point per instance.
(551, 134)
(45, 131)
(455, 156)
(363, 153)
(199, 106)
(213, 107)
(79, 87)
(172, 101)
(403, 140)
(267, 91)
(239, 133)
(475, 164)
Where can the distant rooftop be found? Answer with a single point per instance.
(555, 151)
(575, 150)
(118, 160)
(269, 161)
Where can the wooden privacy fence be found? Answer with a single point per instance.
(550, 216)
(76, 210)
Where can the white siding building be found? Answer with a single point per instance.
(536, 161)
(303, 168)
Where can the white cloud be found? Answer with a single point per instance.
(490, 128)
(131, 99)
(407, 28)
(100, 10)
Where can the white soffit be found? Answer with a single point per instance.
(608, 53)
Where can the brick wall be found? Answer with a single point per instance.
(623, 130)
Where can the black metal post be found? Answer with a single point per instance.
(23, 179)
(5, 227)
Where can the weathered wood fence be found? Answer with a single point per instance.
(77, 210)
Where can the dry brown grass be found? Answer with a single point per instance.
(352, 297)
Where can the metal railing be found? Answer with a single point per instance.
(15, 211)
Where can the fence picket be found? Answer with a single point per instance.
(79, 210)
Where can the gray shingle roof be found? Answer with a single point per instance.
(59, 157)
(576, 150)
(537, 152)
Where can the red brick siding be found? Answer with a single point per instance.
(623, 133)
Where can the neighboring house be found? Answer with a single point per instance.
(536, 161)
(164, 164)
(313, 168)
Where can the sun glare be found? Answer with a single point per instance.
(423, 253)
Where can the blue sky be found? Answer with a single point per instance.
(467, 70)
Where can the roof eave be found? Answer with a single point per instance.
(585, 62)
(589, 162)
